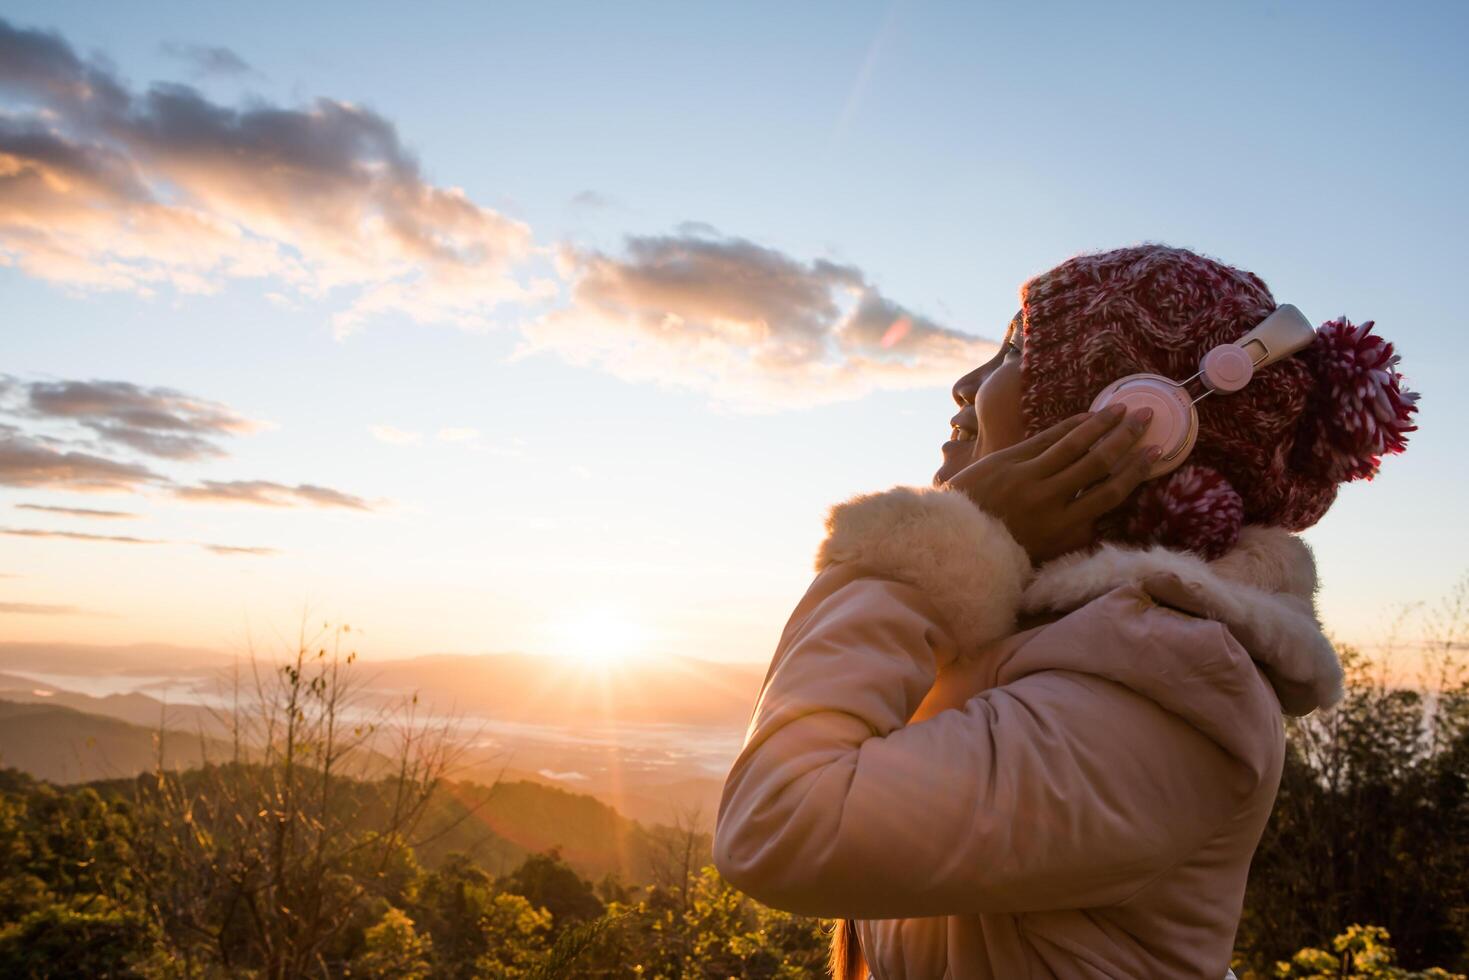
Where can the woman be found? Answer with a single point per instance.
(1028, 723)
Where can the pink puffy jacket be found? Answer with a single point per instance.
(1078, 799)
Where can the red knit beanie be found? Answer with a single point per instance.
(1271, 454)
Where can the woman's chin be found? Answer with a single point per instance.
(958, 453)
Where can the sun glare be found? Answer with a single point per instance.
(599, 636)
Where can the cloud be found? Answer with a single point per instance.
(394, 437)
(590, 199)
(459, 434)
(207, 59)
(25, 532)
(218, 549)
(267, 494)
(756, 328)
(27, 462)
(105, 187)
(230, 549)
(41, 609)
(78, 511)
(158, 422)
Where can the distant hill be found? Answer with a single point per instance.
(9, 681)
(135, 708)
(63, 745)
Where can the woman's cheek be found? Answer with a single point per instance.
(998, 407)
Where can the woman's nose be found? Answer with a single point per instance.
(967, 387)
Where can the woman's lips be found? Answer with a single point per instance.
(960, 445)
(959, 436)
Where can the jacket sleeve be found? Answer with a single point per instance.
(1026, 798)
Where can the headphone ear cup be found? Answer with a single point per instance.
(1174, 425)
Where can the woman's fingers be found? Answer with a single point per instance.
(1074, 444)
(1104, 456)
(1030, 448)
(1114, 489)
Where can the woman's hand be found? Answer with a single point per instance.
(1050, 489)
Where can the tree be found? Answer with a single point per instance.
(75, 938)
(719, 933)
(548, 882)
(1360, 953)
(268, 860)
(452, 904)
(1372, 820)
(516, 936)
(393, 950)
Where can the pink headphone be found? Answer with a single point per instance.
(1226, 368)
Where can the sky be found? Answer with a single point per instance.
(360, 311)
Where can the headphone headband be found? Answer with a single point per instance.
(1278, 336)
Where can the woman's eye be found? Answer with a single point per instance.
(1010, 348)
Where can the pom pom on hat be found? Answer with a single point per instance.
(1362, 412)
(1193, 508)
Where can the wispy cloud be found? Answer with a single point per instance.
(70, 424)
(42, 609)
(155, 421)
(218, 549)
(394, 436)
(79, 511)
(590, 199)
(26, 462)
(756, 328)
(208, 60)
(264, 493)
(230, 549)
(26, 532)
(107, 187)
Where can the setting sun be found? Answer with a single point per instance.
(599, 635)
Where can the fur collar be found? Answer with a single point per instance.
(962, 558)
(978, 578)
(1263, 589)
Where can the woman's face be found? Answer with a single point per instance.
(989, 408)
